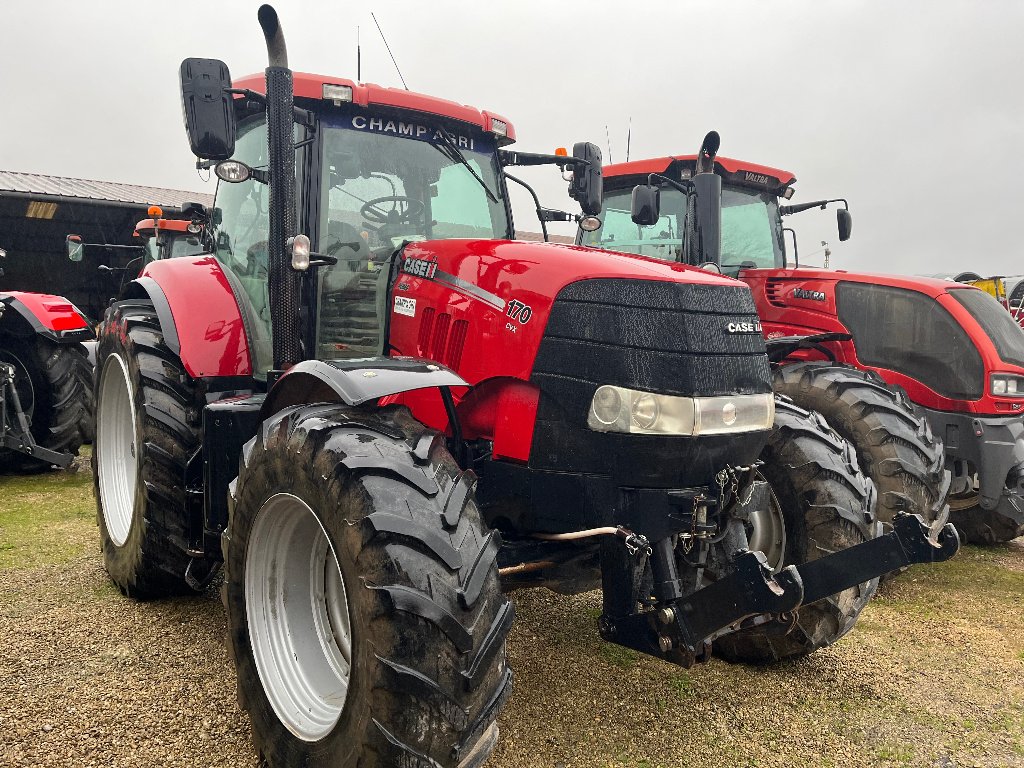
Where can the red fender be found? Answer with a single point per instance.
(199, 315)
(54, 316)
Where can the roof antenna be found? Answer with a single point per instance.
(359, 59)
(389, 51)
(608, 138)
(629, 135)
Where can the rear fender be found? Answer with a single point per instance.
(355, 382)
(199, 315)
(54, 317)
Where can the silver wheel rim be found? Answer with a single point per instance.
(298, 617)
(116, 449)
(768, 533)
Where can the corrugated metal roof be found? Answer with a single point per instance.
(99, 191)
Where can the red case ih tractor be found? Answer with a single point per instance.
(45, 381)
(378, 427)
(855, 346)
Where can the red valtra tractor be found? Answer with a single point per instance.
(45, 381)
(862, 349)
(379, 412)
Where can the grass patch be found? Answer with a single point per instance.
(682, 685)
(619, 656)
(45, 519)
(898, 753)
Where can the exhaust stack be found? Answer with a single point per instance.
(283, 282)
(704, 217)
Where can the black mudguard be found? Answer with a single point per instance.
(355, 381)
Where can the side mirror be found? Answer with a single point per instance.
(207, 108)
(75, 247)
(645, 207)
(587, 186)
(845, 221)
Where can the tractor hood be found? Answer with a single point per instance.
(497, 298)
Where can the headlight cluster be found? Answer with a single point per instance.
(617, 409)
(1007, 385)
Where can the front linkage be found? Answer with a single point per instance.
(17, 436)
(681, 628)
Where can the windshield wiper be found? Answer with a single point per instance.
(454, 153)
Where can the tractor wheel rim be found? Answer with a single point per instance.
(22, 385)
(767, 533)
(298, 617)
(116, 449)
(961, 501)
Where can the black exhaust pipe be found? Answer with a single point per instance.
(705, 238)
(283, 281)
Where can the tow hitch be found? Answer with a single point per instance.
(681, 630)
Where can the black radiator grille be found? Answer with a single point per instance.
(670, 338)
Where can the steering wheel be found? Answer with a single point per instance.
(403, 210)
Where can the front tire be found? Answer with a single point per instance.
(146, 429)
(978, 525)
(895, 447)
(826, 504)
(361, 587)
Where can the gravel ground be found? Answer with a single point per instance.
(932, 676)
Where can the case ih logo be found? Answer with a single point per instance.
(801, 293)
(419, 267)
(753, 327)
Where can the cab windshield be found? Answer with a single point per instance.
(386, 182)
(751, 228)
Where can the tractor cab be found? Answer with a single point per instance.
(751, 220)
(168, 238)
(377, 168)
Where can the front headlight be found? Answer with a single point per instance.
(1007, 385)
(617, 409)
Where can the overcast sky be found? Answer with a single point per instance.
(914, 111)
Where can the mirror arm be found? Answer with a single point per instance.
(508, 157)
(786, 210)
(302, 116)
(536, 200)
(686, 187)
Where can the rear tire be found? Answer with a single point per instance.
(895, 448)
(827, 505)
(405, 665)
(54, 384)
(147, 427)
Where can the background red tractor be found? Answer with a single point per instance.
(379, 426)
(45, 381)
(855, 346)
